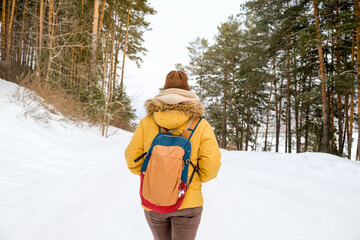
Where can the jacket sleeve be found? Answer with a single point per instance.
(135, 149)
(209, 155)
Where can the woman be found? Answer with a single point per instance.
(172, 109)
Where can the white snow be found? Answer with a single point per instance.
(63, 182)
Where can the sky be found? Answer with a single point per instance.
(175, 24)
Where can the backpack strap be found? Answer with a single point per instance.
(140, 157)
(191, 126)
(196, 169)
(188, 132)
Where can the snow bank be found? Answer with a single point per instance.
(59, 181)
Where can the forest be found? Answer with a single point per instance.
(72, 53)
(287, 67)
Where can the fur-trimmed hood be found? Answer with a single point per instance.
(193, 109)
(176, 100)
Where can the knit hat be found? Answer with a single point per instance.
(176, 79)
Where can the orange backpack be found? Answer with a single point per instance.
(164, 172)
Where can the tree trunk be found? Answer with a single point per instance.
(82, 8)
(325, 116)
(357, 13)
(280, 113)
(107, 111)
(125, 45)
(8, 13)
(105, 66)
(347, 118)
(242, 138)
(102, 14)
(267, 117)
(331, 104)
(339, 103)
(223, 119)
(254, 147)
(111, 77)
(105, 61)
(105, 116)
(298, 143)
(25, 51)
(340, 125)
(235, 108)
(286, 129)
(41, 26)
(288, 103)
(9, 32)
(3, 30)
(72, 68)
(277, 120)
(297, 134)
(21, 45)
(332, 122)
(51, 34)
(351, 100)
(33, 54)
(95, 24)
(117, 50)
(307, 119)
(36, 39)
(247, 128)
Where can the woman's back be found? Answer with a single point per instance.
(172, 109)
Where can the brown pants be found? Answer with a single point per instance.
(179, 225)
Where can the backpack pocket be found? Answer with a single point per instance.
(163, 175)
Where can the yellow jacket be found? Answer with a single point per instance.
(205, 150)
